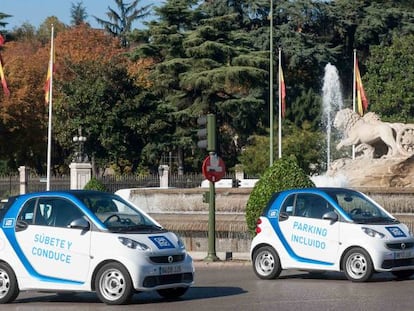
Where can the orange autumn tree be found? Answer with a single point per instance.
(99, 89)
(83, 44)
(23, 112)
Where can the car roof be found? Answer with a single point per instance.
(64, 192)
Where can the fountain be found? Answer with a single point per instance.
(331, 103)
(384, 151)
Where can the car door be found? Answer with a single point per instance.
(49, 248)
(309, 239)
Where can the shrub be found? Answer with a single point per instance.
(284, 174)
(94, 184)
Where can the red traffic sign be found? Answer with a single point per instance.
(213, 168)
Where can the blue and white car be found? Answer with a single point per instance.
(85, 241)
(330, 229)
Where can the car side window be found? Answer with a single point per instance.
(287, 206)
(27, 214)
(54, 212)
(301, 205)
(312, 206)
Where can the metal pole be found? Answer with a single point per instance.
(271, 84)
(211, 255)
(49, 130)
(280, 105)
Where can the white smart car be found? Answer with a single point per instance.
(74, 241)
(330, 229)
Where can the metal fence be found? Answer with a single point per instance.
(10, 184)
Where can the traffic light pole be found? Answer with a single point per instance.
(207, 140)
(211, 255)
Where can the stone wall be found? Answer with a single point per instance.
(183, 211)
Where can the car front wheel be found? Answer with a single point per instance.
(8, 284)
(113, 284)
(357, 265)
(266, 263)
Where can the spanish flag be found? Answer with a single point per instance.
(2, 78)
(50, 71)
(282, 91)
(362, 100)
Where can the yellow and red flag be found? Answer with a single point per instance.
(50, 71)
(362, 100)
(282, 91)
(2, 77)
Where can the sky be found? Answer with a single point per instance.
(36, 11)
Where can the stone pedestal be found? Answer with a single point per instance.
(396, 172)
(80, 175)
(163, 171)
(23, 178)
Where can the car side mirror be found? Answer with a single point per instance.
(283, 216)
(332, 216)
(79, 223)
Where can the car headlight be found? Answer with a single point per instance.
(133, 244)
(373, 233)
(180, 242)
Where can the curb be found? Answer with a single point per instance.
(224, 259)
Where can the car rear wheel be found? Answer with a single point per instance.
(403, 274)
(357, 265)
(266, 263)
(172, 293)
(8, 284)
(113, 284)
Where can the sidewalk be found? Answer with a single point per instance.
(224, 258)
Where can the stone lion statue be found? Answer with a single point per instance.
(365, 132)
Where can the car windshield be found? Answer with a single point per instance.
(116, 214)
(359, 208)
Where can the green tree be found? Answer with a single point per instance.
(44, 30)
(361, 25)
(302, 32)
(388, 83)
(226, 76)
(25, 32)
(95, 184)
(306, 145)
(165, 45)
(120, 20)
(78, 14)
(119, 120)
(2, 17)
(284, 174)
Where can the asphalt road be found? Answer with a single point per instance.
(233, 286)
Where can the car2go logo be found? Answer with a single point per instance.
(396, 232)
(161, 242)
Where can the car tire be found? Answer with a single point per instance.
(266, 263)
(113, 284)
(357, 265)
(403, 274)
(172, 293)
(9, 288)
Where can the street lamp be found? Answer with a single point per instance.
(80, 140)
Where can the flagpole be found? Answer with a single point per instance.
(49, 131)
(354, 96)
(271, 85)
(280, 105)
